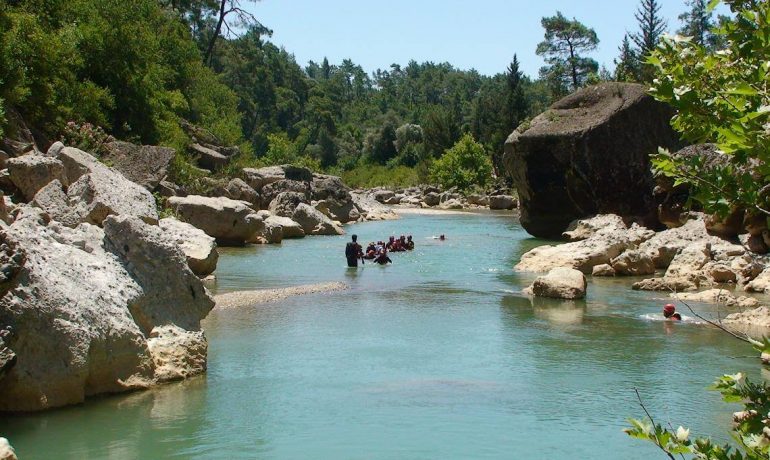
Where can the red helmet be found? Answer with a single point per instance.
(669, 309)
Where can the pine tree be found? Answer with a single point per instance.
(627, 64)
(697, 23)
(651, 28)
(516, 104)
(564, 41)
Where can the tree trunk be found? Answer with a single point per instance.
(217, 30)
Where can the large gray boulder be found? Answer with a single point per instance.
(231, 222)
(285, 203)
(199, 248)
(237, 189)
(259, 177)
(145, 165)
(589, 154)
(560, 283)
(83, 305)
(271, 191)
(502, 202)
(209, 158)
(289, 228)
(96, 191)
(313, 222)
(30, 173)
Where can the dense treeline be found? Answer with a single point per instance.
(138, 68)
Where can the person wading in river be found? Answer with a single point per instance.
(353, 252)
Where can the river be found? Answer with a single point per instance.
(436, 356)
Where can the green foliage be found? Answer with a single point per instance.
(463, 166)
(751, 429)
(721, 97)
(369, 176)
(564, 41)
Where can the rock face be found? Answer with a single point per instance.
(199, 248)
(145, 165)
(258, 178)
(30, 173)
(231, 222)
(560, 283)
(95, 191)
(97, 333)
(289, 228)
(588, 154)
(237, 189)
(684, 273)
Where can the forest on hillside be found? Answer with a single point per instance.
(136, 69)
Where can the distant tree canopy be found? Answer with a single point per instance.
(565, 42)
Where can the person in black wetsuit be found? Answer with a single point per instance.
(382, 258)
(353, 252)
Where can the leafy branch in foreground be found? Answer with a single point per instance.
(721, 97)
(751, 429)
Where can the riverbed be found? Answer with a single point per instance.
(435, 356)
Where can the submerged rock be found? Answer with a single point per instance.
(589, 154)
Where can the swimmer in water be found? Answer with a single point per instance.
(669, 312)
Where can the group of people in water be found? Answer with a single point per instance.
(376, 252)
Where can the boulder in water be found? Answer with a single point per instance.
(199, 248)
(231, 222)
(560, 283)
(589, 154)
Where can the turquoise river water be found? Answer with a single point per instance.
(436, 356)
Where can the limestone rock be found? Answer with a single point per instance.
(585, 156)
(717, 296)
(30, 173)
(478, 200)
(684, 273)
(761, 283)
(177, 353)
(451, 204)
(145, 165)
(600, 248)
(633, 263)
(371, 209)
(53, 200)
(603, 270)
(665, 245)
(97, 294)
(199, 248)
(560, 283)
(285, 203)
(432, 199)
(290, 229)
(270, 191)
(273, 232)
(231, 222)
(208, 158)
(96, 191)
(383, 195)
(582, 229)
(259, 177)
(325, 187)
(755, 323)
(237, 189)
(501, 202)
(6, 451)
(313, 222)
(342, 211)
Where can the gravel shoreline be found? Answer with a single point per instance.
(246, 298)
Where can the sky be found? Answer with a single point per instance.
(480, 34)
